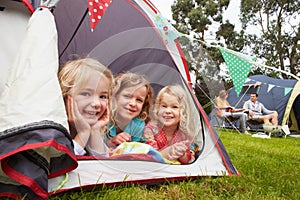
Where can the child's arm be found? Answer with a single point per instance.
(148, 135)
(96, 142)
(174, 151)
(120, 138)
(81, 126)
(178, 151)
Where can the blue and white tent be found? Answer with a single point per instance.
(282, 95)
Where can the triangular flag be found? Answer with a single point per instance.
(270, 86)
(97, 9)
(238, 69)
(287, 90)
(247, 80)
(166, 30)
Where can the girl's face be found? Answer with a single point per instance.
(169, 111)
(130, 102)
(92, 99)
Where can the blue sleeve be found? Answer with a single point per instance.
(135, 128)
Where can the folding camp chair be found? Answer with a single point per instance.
(221, 122)
(255, 125)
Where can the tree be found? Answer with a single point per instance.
(277, 43)
(278, 40)
(194, 17)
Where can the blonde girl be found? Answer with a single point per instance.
(132, 100)
(86, 86)
(169, 130)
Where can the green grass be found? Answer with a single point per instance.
(270, 169)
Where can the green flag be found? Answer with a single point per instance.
(287, 90)
(238, 69)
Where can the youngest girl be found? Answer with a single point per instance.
(86, 87)
(169, 131)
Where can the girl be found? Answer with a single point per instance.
(169, 131)
(86, 86)
(132, 99)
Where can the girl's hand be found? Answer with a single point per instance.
(178, 149)
(120, 138)
(175, 151)
(80, 124)
(96, 142)
(102, 122)
(82, 127)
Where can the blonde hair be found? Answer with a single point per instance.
(222, 93)
(185, 124)
(75, 74)
(129, 79)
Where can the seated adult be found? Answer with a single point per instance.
(224, 110)
(258, 112)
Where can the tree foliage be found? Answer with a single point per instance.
(194, 17)
(278, 22)
(276, 43)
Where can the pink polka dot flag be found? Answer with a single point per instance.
(238, 69)
(97, 9)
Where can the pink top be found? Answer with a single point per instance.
(156, 137)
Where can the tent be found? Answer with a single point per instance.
(35, 143)
(125, 39)
(282, 95)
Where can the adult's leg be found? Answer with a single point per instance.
(242, 118)
(273, 117)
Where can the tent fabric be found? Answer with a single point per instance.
(35, 65)
(135, 40)
(18, 16)
(34, 139)
(276, 94)
(125, 39)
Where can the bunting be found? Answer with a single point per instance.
(247, 80)
(286, 90)
(238, 69)
(166, 30)
(270, 86)
(97, 9)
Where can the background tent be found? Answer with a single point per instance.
(125, 39)
(281, 95)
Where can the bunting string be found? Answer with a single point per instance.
(238, 64)
(233, 59)
(286, 90)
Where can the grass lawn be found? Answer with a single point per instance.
(270, 169)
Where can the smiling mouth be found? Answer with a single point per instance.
(131, 110)
(168, 117)
(91, 113)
